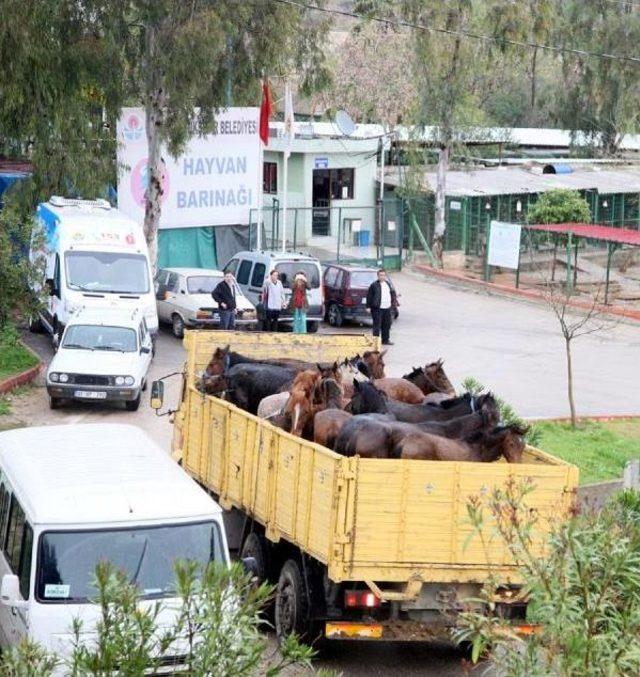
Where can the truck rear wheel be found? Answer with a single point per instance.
(292, 608)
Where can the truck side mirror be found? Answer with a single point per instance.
(157, 394)
(10, 592)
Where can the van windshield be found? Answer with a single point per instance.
(107, 272)
(67, 559)
(288, 270)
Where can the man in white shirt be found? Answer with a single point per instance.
(274, 301)
(381, 298)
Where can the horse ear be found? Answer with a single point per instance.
(356, 384)
(335, 366)
(319, 366)
(440, 362)
(226, 348)
(383, 353)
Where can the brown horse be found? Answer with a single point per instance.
(300, 410)
(483, 447)
(327, 425)
(400, 389)
(372, 363)
(431, 379)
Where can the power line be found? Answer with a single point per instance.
(400, 23)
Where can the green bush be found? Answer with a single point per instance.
(14, 357)
(559, 206)
(584, 595)
(216, 629)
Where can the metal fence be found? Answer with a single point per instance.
(367, 235)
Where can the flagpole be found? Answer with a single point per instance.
(284, 201)
(260, 195)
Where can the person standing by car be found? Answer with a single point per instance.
(381, 299)
(274, 301)
(225, 296)
(299, 302)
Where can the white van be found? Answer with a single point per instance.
(72, 496)
(251, 270)
(94, 255)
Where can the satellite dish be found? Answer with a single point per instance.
(344, 122)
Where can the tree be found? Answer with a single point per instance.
(599, 96)
(567, 206)
(181, 61)
(371, 76)
(559, 206)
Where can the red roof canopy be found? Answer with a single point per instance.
(593, 232)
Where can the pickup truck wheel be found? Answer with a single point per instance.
(292, 610)
(177, 325)
(312, 327)
(132, 405)
(334, 315)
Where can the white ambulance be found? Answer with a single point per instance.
(95, 256)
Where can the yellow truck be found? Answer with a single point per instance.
(358, 548)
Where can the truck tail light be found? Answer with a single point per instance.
(349, 300)
(360, 598)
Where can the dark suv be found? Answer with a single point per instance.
(345, 293)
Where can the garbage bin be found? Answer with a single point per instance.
(361, 238)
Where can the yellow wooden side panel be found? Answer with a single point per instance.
(257, 491)
(192, 446)
(268, 345)
(216, 445)
(414, 513)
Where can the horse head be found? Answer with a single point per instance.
(488, 406)
(300, 410)
(507, 441)
(367, 399)
(330, 393)
(218, 363)
(348, 370)
(373, 359)
(436, 375)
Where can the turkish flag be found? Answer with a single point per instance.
(265, 113)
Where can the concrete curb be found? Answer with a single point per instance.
(528, 294)
(24, 377)
(598, 419)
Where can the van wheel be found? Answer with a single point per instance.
(334, 315)
(177, 325)
(292, 609)
(55, 402)
(35, 324)
(312, 327)
(132, 405)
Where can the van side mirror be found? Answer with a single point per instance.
(157, 394)
(50, 284)
(145, 350)
(10, 592)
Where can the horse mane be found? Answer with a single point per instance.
(453, 401)
(414, 372)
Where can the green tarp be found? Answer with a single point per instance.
(187, 248)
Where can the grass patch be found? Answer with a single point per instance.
(5, 406)
(599, 449)
(14, 357)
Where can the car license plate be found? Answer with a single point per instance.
(90, 394)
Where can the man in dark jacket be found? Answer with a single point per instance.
(381, 299)
(225, 296)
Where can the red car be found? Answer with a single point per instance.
(345, 293)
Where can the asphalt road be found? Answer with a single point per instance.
(513, 347)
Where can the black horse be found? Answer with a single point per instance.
(248, 384)
(367, 399)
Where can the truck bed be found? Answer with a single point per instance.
(391, 523)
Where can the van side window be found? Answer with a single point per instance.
(243, 272)
(173, 282)
(231, 267)
(24, 570)
(257, 279)
(5, 497)
(14, 534)
(56, 275)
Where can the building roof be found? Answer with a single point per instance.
(593, 232)
(517, 180)
(96, 474)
